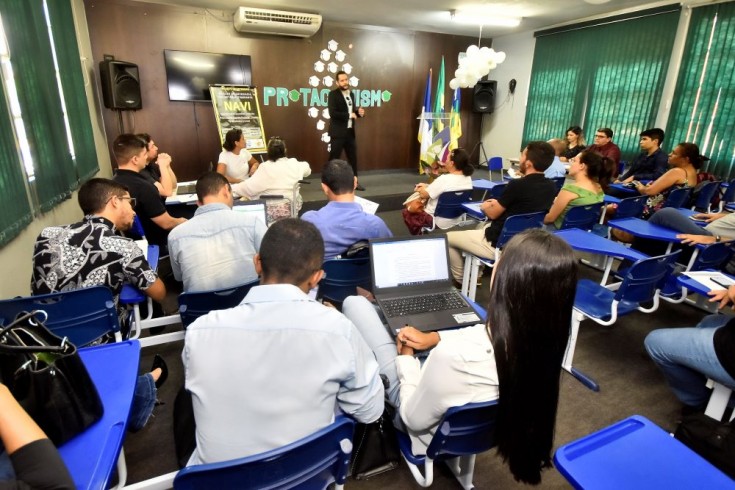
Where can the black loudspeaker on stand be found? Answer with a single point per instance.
(483, 99)
(120, 85)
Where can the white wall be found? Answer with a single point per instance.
(16, 256)
(503, 129)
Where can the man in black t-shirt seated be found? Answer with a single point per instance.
(131, 154)
(689, 356)
(530, 194)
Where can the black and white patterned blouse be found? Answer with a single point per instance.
(88, 253)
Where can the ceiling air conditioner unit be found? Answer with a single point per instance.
(265, 21)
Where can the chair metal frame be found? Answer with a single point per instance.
(463, 432)
(641, 284)
(512, 226)
(449, 205)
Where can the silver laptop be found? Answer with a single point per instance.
(413, 285)
(186, 188)
(256, 209)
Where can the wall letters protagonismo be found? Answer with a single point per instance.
(315, 97)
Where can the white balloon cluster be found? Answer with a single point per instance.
(477, 64)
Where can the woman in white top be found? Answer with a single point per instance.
(515, 357)
(456, 178)
(276, 176)
(235, 162)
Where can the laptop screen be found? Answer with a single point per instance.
(409, 261)
(256, 209)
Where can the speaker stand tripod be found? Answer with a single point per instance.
(480, 145)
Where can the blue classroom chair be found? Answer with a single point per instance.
(495, 163)
(463, 433)
(705, 194)
(194, 305)
(449, 205)
(511, 227)
(316, 461)
(678, 198)
(559, 182)
(342, 277)
(81, 315)
(583, 217)
(641, 285)
(635, 454)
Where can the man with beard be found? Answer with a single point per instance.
(343, 112)
(530, 194)
(158, 170)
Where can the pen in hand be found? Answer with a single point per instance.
(720, 283)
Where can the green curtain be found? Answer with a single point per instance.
(72, 82)
(703, 108)
(608, 75)
(13, 198)
(38, 93)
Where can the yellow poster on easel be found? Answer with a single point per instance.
(237, 107)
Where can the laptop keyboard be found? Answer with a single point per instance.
(422, 304)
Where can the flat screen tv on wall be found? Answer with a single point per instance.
(190, 73)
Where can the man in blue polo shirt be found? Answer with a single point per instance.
(342, 222)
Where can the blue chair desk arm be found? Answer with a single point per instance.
(635, 454)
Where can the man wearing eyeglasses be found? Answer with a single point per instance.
(605, 147)
(131, 154)
(343, 113)
(91, 252)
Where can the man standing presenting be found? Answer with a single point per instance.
(605, 147)
(275, 368)
(131, 154)
(342, 222)
(343, 112)
(215, 249)
(530, 194)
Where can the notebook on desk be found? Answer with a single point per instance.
(413, 285)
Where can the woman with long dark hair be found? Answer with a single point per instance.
(591, 174)
(517, 355)
(575, 143)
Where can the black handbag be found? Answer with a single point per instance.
(375, 449)
(711, 439)
(48, 378)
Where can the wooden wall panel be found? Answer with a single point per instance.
(386, 60)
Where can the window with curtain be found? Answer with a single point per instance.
(703, 108)
(602, 75)
(45, 114)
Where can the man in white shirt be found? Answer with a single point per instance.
(276, 368)
(215, 249)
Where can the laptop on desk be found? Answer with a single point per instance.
(256, 209)
(413, 285)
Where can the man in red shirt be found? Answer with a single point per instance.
(605, 147)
